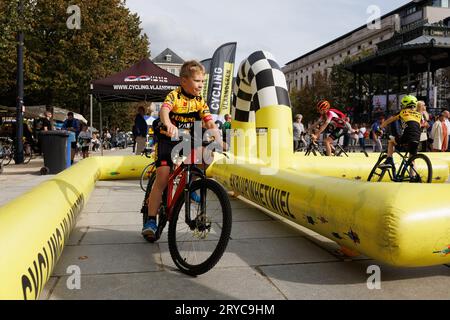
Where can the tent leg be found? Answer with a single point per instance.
(101, 129)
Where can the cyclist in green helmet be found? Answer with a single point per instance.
(410, 119)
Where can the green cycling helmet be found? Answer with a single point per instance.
(409, 102)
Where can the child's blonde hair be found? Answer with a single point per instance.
(190, 68)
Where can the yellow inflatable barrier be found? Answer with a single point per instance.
(405, 225)
(32, 236)
(357, 167)
(401, 224)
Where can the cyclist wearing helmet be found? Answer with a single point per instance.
(333, 121)
(410, 120)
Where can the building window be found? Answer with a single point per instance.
(370, 42)
(169, 58)
(440, 3)
(348, 52)
(301, 82)
(326, 61)
(307, 80)
(359, 47)
(318, 64)
(411, 10)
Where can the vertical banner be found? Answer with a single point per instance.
(220, 90)
(207, 64)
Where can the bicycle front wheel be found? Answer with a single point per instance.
(27, 153)
(377, 174)
(145, 175)
(197, 250)
(8, 154)
(418, 169)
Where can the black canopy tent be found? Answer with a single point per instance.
(144, 81)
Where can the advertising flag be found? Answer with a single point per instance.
(207, 64)
(220, 88)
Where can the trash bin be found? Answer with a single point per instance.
(54, 148)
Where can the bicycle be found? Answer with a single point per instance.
(197, 241)
(8, 150)
(314, 148)
(414, 169)
(148, 170)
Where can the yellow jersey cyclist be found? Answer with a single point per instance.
(180, 110)
(410, 120)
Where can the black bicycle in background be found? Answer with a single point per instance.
(7, 151)
(414, 169)
(315, 149)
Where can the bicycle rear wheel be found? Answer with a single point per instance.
(27, 153)
(197, 250)
(377, 174)
(146, 173)
(418, 169)
(8, 154)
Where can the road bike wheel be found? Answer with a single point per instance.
(146, 173)
(8, 155)
(27, 153)
(196, 250)
(418, 169)
(377, 174)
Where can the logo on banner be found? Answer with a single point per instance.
(145, 78)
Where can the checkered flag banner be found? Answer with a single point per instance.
(260, 83)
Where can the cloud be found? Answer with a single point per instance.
(287, 28)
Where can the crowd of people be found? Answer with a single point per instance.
(333, 126)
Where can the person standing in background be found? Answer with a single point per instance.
(47, 124)
(225, 127)
(141, 128)
(424, 125)
(447, 123)
(299, 129)
(439, 134)
(376, 136)
(73, 126)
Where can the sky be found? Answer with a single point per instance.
(194, 29)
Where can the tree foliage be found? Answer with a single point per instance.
(61, 62)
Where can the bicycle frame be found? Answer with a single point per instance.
(394, 175)
(185, 171)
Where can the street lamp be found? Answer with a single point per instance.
(18, 156)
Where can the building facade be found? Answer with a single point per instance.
(170, 61)
(363, 40)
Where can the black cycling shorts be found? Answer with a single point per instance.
(411, 144)
(335, 133)
(163, 152)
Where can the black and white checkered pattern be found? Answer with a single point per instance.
(260, 83)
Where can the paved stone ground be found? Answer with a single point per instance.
(266, 258)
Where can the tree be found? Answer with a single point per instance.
(304, 100)
(61, 62)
